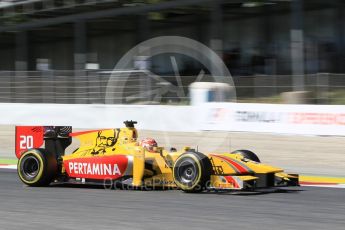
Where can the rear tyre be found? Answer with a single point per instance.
(37, 167)
(248, 154)
(192, 172)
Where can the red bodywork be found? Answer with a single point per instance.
(104, 167)
(28, 137)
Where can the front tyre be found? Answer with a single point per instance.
(37, 167)
(192, 172)
(248, 154)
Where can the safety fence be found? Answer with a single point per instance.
(143, 87)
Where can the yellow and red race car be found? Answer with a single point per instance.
(116, 156)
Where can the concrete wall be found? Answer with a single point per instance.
(60, 54)
(111, 48)
(7, 57)
(250, 35)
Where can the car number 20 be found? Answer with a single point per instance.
(26, 142)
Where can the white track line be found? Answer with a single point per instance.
(8, 166)
(324, 186)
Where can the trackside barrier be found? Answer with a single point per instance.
(90, 116)
(242, 117)
(272, 118)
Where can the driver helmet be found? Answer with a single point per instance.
(149, 144)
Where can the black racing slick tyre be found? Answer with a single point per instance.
(248, 154)
(37, 167)
(192, 172)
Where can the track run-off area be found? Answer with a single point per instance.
(81, 207)
(319, 160)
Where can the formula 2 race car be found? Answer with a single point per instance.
(115, 155)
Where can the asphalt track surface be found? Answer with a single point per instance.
(71, 207)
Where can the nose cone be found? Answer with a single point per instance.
(233, 164)
(263, 168)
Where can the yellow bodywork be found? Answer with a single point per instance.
(155, 169)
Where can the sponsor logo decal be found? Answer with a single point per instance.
(258, 116)
(94, 169)
(104, 167)
(318, 118)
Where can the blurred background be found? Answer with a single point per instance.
(277, 51)
(64, 51)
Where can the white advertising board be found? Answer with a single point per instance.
(91, 116)
(272, 118)
(241, 117)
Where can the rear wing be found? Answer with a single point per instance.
(53, 138)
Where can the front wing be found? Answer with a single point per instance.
(269, 180)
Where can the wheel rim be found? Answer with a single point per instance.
(30, 167)
(187, 172)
